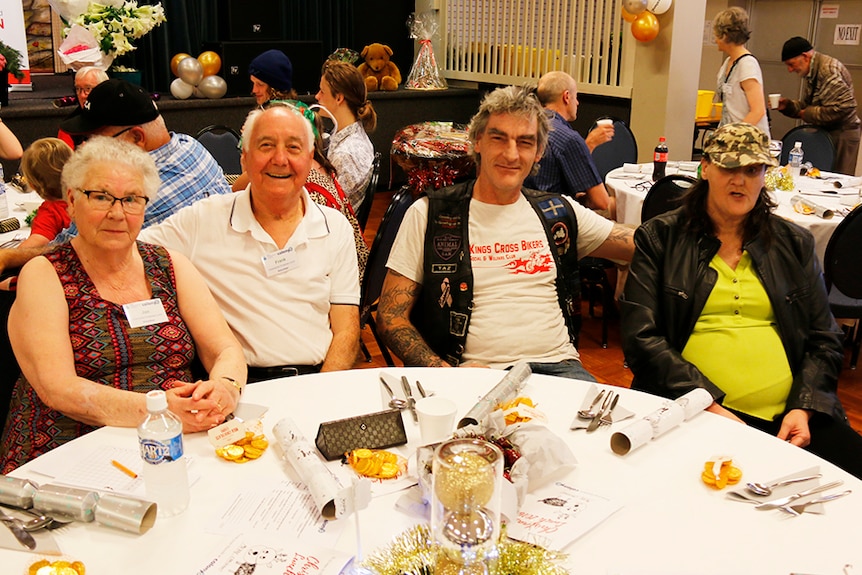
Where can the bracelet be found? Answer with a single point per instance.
(234, 383)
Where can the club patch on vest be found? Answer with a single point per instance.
(445, 269)
(457, 323)
(447, 245)
(449, 221)
(552, 208)
(561, 236)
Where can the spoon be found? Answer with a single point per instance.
(394, 402)
(591, 412)
(38, 523)
(764, 489)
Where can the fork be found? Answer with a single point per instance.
(796, 510)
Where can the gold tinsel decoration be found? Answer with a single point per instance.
(414, 552)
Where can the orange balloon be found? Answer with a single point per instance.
(211, 62)
(627, 16)
(645, 26)
(176, 60)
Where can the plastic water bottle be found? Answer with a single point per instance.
(659, 160)
(4, 200)
(796, 159)
(160, 436)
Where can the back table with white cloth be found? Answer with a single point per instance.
(630, 189)
(21, 204)
(669, 521)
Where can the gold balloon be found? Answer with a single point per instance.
(645, 27)
(176, 60)
(634, 6)
(628, 16)
(211, 62)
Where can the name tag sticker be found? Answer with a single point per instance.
(279, 262)
(147, 312)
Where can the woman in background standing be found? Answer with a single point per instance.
(739, 81)
(344, 98)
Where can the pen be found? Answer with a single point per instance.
(124, 469)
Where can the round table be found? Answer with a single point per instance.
(630, 190)
(670, 522)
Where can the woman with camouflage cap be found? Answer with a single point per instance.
(726, 296)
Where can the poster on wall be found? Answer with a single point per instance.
(12, 34)
(847, 34)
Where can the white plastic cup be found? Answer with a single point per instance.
(436, 418)
(605, 122)
(773, 101)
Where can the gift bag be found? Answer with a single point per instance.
(424, 75)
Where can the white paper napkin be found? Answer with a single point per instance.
(620, 413)
(784, 490)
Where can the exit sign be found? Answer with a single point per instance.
(847, 34)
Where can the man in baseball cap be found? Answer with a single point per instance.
(114, 102)
(827, 99)
(119, 109)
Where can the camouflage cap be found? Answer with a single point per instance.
(737, 145)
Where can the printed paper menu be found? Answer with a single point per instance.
(557, 514)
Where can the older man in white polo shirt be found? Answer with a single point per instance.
(282, 268)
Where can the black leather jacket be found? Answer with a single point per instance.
(667, 288)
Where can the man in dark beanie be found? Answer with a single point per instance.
(271, 77)
(827, 99)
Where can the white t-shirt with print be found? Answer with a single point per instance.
(516, 314)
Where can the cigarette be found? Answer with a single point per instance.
(124, 469)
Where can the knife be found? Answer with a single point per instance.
(606, 417)
(421, 389)
(411, 401)
(791, 498)
(594, 424)
(17, 529)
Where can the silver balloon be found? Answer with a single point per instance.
(213, 87)
(191, 71)
(197, 93)
(180, 89)
(632, 7)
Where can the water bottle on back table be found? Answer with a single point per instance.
(165, 475)
(659, 160)
(795, 158)
(4, 199)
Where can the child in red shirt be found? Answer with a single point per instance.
(41, 165)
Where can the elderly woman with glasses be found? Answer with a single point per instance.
(103, 319)
(726, 296)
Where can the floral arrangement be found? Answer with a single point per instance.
(10, 60)
(116, 24)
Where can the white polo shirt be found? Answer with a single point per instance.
(281, 318)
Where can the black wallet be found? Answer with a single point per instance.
(371, 431)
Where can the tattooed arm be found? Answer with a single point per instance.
(397, 299)
(619, 244)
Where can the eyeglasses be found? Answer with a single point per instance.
(123, 131)
(103, 202)
(643, 187)
(84, 89)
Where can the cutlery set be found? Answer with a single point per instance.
(601, 410)
(409, 401)
(789, 503)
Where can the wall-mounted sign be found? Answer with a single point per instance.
(847, 34)
(829, 11)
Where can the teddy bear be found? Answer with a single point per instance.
(379, 72)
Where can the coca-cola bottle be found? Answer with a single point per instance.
(659, 160)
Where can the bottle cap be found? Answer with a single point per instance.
(156, 400)
(661, 139)
(797, 144)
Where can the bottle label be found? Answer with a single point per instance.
(155, 452)
(660, 157)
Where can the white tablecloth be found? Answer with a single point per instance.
(631, 189)
(670, 522)
(18, 202)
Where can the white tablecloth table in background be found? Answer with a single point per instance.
(630, 198)
(670, 522)
(16, 201)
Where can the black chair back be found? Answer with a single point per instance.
(623, 148)
(375, 270)
(842, 264)
(365, 207)
(223, 143)
(665, 195)
(817, 146)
